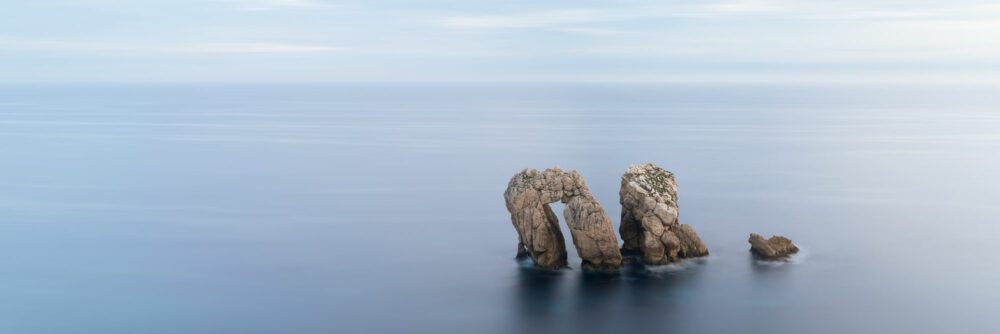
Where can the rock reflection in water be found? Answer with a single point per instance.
(639, 298)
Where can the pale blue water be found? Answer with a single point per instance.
(378, 208)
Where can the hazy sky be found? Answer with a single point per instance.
(332, 40)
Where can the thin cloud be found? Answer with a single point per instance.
(265, 5)
(526, 20)
(104, 47)
(593, 31)
(743, 6)
(257, 48)
(723, 9)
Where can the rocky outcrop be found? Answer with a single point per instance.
(528, 196)
(776, 248)
(649, 224)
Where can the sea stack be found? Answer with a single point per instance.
(649, 225)
(528, 196)
(775, 248)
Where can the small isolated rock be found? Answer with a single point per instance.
(778, 247)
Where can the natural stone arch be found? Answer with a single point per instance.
(528, 196)
(649, 224)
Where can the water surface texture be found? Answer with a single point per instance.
(379, 208)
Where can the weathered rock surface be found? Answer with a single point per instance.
(528, 196)
(776, 248)
(649, 224)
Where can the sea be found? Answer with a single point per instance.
(378, 207)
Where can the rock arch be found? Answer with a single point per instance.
(528, 196)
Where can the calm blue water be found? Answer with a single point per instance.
(378, 208)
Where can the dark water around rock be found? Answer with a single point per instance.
(378, 208)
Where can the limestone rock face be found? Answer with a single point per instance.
(777, 247)
(528, 196)
(649, 224)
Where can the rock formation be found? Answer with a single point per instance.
(528, 196)
(776, 248)
(649, 224)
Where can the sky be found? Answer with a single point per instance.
(441, 41)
